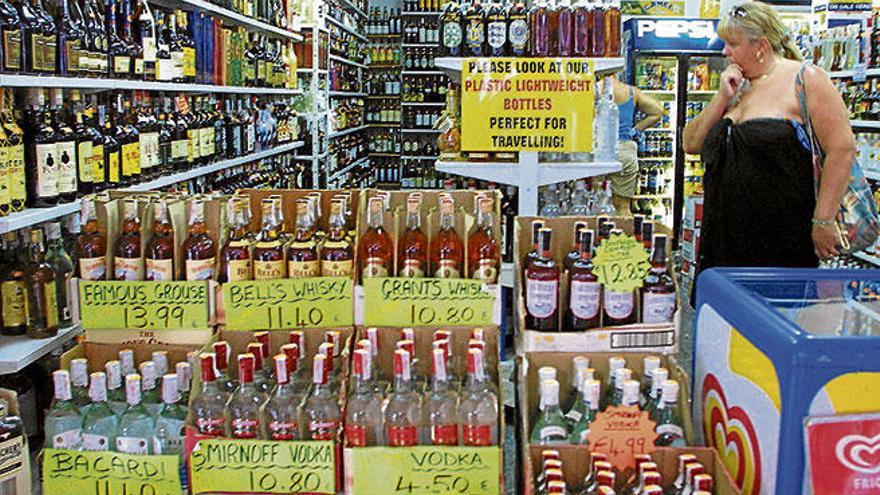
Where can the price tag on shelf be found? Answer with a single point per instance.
(289, 303)
(621, 263)
(860, 72)
(407, 302)
(100, 473)
(622, 433)
(424, 470)
(143, 305)
(263, 466)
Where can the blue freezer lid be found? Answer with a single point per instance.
(673, 34)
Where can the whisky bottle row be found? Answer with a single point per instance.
(383, 21)
(127, 39)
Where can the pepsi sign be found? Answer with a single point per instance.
(674, 34)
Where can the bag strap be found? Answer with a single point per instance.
(816, 149)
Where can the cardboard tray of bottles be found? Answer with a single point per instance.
(528, 382)
(660, 337)
(404, 295)
(426, 469)
(269, 466)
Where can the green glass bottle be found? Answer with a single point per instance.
(590, 391)
(551, 427)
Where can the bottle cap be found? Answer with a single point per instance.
(263, 339)
(407, 345)
(477, 334)
(621, 375)
(298, 337)
(549, 393)
(605, 490)
(246, 363)
(578, 363)
(647, 466)
(292, 353)
(373, 336)
(651, 478)
(281, 369)
(170, 390)
(335, 338)
(550, 454)
(221, 352)
(477, 344)
(692, 469)
(615, 363)
(630, 393)
(133, 389)
(605, 478)
(79, 372)
(592, 389)
(207, 367)
(160, 358)
(546, 373)
(551, 475)
(126, 360)
(256, 349)
(584, 374)
(659, 376)
(148, 375)
(475, 364)
(362, 364)
(184, 376)
(670, 392)
(652, 489)
(556, 487)
(319, 369)
(98, 386)
(442, 335)
(402, 364)
(114, 374)
(408, 334)
(703, 482)
(439, 362)
(651, 364)
(552, 463)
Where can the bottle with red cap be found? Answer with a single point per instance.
(489, 374)
(303, 373)
(479, 405)
(403, 413)
(654, 489)
(321, 414)
(363, 413)
(281, 411)
(295, 382)
(604, 478)
(680, 480)
(262, 383)
(550, 459)
(221, 360)
(442, 402)
(268, 367)
(379, 376)
(556, 487)
(207, 409)
(243, 409)
(648, 475)
(327, 349)
(378, 388)
(598, 463)
(701, 483)
(691, 470)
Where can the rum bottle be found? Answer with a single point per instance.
(321, 409)
(363, 416)
(269, 251)
(412, 256)
(478, 412)
(584, 290)
(159, 255)
(63, 423)
(12, 34)
(198, 248)
(128, 261)
(91, 246)
(136, 425)
(12, 287)
(658, 293)
(337, 254)
(542, 288)
(403, 412)
(302, 253)
(446, 251)
(376, 248)
(243, 409)
(235, 256)
(484, 255)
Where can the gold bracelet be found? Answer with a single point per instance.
(816, 221)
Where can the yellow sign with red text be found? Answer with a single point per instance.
(527, 104)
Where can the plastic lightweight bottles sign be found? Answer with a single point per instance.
(67, 472)
(621, 263)
(289, 303)
(423, 470)
(143, 305)
(407, 302)
(527, 104)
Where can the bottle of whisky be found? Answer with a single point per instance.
(65, 145)
(91, 246)
(235, 257)
(198, 249)
(484, 255)
(84, 145)
(337, 254)
(42, 153)
(302, 253)
(446, 251)
(120, 59)
(15, 154)
(42, 298)
(412, 256)
(12, 287)
(12, 34)
(127, 257)
(269, 251)
(57, 257)
(376, 248)
(159, 255)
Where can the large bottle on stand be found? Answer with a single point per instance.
(605, 125)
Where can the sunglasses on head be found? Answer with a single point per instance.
(738, 11)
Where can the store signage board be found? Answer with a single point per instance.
(423, 470)
(67, 472)
(683, 34)
(289, 303)
(527, 104)
(407, 302)
(654, 8)
(621, 263)
(263, 466)
(843, 454)
(622, 433)
(144, 305)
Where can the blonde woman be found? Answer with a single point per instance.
(761, 207)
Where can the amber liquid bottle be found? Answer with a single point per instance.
(412, 248)
(376, 250)
(542, 287)
(584, 290)
(12, 287)
(658, 293)
(483, 253)
(91, 246)
(612, 29)
(618, 308)
(302, 253)
(128, 261)
(42, 298)
(446, 251)
(337, 254)
(235, 257)
(535, 253)
(269, 251)
(199, 251)
(159, 255)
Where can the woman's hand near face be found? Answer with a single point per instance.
(731, 79)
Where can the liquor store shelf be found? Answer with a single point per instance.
(21, 81)
(33, 216)
(421, 131)
(865, 124)
(309, 71)
(843, 74)
(870, 258)
(423, 72)
(423, 104)
(353, 8)
(380, 36)
(347, 29)
(19, 351)
(418, 157)
(509, 172)
(337, 58)
(236, 18)
(346, 131)
(656, 158)
(420, 45)
(426, 12)
(339, 173)
(347, 94)
(383, 124)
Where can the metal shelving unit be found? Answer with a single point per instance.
(337, 58)
(345, 132)
(347, 94)
(22, 81)
(423, 14)
(420, 131)
(19, 351)
(235, 18)
(347, 29)
(339, 173)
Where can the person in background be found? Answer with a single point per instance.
(628, 100)
(761, 207)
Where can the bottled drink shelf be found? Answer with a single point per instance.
(309, 71)
(383, 124)
(343, 60)
(383, 97)
(387, 155)
(423, 104)
(846, 74)
(865, 124)
(421, 131)
(509, 172)
(19, 351)
(418, 157)
(248, 23)
(322, 29)
(870, 258)
(33, 216)
(347, 94)
(24, 81)
(347, 29)
(346, 131)
(424, 13)
(656, 158)
(339, 173)
(353, 8)
(423, 73)
(420, 45)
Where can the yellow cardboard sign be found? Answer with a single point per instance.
(527, 104)
(423, 470)
(407, 302)
(656, 8)
(263, 466)
(289, 303)
(143, 305)
(622, 433)
(621, 263)
(66, 472)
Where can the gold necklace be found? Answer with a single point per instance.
(769, 71)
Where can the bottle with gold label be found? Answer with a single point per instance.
(128, 262)
(235, 257)
(198, 248)
(376, 249)
(42, 299)
(12, 287)
(15, 155)
(446, 251)
(91, 246)
(159, 254)
(412, 255)
(337, 254)
(41, 154)
(483, 252)
(302, 253)
(56, 256)
(269, 250)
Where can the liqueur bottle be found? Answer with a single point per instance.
(542, 288)
(412, 256)
(376, 247)
(446, 251)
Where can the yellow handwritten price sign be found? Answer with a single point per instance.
(406, 302)
(67, 472)
(527, 104)
(424, 470)
(262, 466)
(143, 305)
(621, 263)
(622, 433)
(289, 303)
